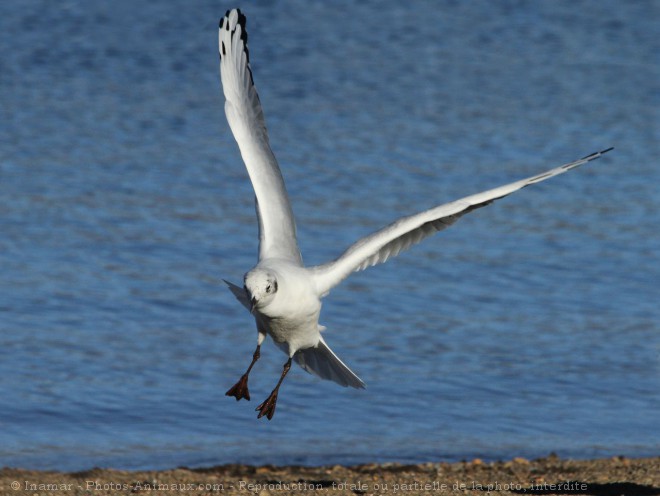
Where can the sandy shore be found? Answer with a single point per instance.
(551, 475)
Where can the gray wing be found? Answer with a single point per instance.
(277, 229)
(239, 293)
(407, 231)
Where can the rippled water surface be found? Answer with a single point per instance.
(531, 326)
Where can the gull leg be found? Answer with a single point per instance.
(240, 389)
(267, 408)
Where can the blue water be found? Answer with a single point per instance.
(531, 326)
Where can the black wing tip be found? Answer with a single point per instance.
(242, 22)
(594, 155)
(224, 18)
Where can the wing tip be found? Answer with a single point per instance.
(231, 20)
(595, 155)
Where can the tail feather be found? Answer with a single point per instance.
(322, 362)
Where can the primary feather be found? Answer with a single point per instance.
(277, 228)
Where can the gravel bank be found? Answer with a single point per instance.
(545, 476)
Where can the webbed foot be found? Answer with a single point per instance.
(240, 389)
(267, 408)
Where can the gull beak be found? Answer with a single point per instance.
(251, 299)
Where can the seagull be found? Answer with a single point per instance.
(281, 293)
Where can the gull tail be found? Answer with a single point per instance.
(322, 362)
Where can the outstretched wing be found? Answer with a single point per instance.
(277, 229)
(407, 231)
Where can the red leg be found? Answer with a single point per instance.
(240, 389)
(267, 408)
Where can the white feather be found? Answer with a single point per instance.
(407, 231)
(277, 228)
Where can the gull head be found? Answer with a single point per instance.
(260, 286)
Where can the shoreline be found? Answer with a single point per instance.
(549, 475)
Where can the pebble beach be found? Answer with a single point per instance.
(549, 475)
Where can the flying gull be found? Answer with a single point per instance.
(281, 293)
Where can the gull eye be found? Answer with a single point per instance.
(272, 287)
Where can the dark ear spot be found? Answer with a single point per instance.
(223, 49)
(275, 287)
